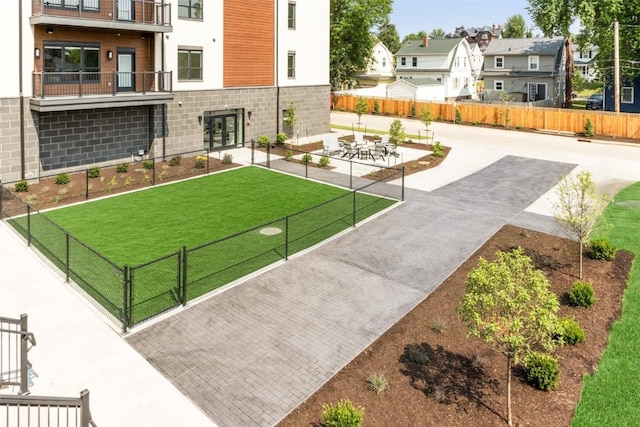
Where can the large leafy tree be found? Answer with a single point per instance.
(388, 34)
(350, 34)
(437, 33)
(508, 304)
(414, 36)
(515, 27)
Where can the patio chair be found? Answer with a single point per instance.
(331, 145)
(358, 138)
(384, 139)
(392, 150)
(349, 149)
(377, 151)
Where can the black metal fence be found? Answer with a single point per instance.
(132, 294)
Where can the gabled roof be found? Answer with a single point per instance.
(530, 46)
(434, 47)
(419, 82)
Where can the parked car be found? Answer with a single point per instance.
(595, 102)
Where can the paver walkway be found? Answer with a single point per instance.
(251, 354)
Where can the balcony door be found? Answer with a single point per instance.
(126, 9)
(126, 70)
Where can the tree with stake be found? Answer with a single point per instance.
(396, 132)
(507, 303)
(426, 119)
(360, 108)
(578, 207)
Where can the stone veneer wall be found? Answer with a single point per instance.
(185, 133)
(10, 168)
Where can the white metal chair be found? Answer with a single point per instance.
(331, 145)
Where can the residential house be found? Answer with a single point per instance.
(423, 89)
(448, 61)
(95, 82)
(381, 68)
(528, 70)
(584, 62)
(629, 95)
(481, 36)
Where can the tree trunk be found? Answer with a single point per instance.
(509, 390)
(580, 260)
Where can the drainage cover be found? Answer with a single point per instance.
(270, 231)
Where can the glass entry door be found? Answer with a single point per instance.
(220, 131)
(126, 61)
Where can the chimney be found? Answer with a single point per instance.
(494, 28)
(425, 41)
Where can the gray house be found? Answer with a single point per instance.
(528, 70)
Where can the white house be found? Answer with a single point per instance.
(422, 89)
(448, 61)
(583, 61)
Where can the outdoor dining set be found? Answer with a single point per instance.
(360, 148)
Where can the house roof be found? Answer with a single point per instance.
(434, 47)
(529, 46)
(426, 81)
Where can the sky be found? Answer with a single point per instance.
(411, 16)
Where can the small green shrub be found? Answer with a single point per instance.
(377, 383)
(570, 331)
(122, 168)
(263, 140)
(387, 113)
(201, 162)
(324, 161)
(93, 172)
(306, 158)
(475, 123)
(458, 118)
(21, 186)
(62, 179)
(281, 138)
(582, 295)
(412, 112)
(437, 149)
(175, 161)
(543, 371)
(588, 128)
(147, 164)
(602, 249)
(288, 155)
(343, 414)
(439, 326)
(376, 107)
(417, 355)
(227, 159)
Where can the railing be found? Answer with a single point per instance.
(137, 11)
(14, 346)
(46, 411)
(94, 84)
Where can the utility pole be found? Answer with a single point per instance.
(616, 66)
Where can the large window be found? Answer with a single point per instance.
(87, 5)
(498, 62)
(189, 64)
(292, 16)
(65, 61)
(403, 61)
(190, 9)
(291, 65)
(627, 95)
(534, 62)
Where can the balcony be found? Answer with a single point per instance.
(58, 91)
(134, 15)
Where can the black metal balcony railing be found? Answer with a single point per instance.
(137, 11)
(90, 84)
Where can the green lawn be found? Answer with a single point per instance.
(611, 397)
(230, 207)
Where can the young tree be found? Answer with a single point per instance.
(515, 28)
(290, 117)
(350, 36)
(388, 34)
(426, 118)
(507, 303)
(396, 132)
(360, 108)
(578, 206)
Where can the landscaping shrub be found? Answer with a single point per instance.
(263, 140)
(343, 414)
(22, 186)
(377, 383)
(227, 159)
(324, 161)
(288, 155)
(602, 249)
(543, 371)
(588, 128)
(62, 179)
(201, 162)
(376, 107)
(175, 161)
(417, 355)
(437, 149)
(582, 295)
(570, 331)
(93, 172)
(122, 168)
(458, 118)
(306, 158)
(412, 113)
(281, 138)
(147, 164)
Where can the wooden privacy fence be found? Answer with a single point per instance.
(513, 115)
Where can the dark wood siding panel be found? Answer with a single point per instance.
(248, 43)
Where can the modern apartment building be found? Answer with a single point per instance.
(91, 82)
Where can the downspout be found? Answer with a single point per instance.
(20, 89)
(276, 71)
(164, 106)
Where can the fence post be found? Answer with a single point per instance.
(24, 363)
(350, 174)
(207, 160)
(402, 195)
(153, 171)
(28, 224)
(354, 208)
(286, 237)
(184, 275)
(86, 184)
(85, 411)
(68, 262)
(253, 146)
(125, 293)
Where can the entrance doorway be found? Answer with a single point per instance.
(126, 69)
(222, 129)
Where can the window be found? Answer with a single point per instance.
(456, 62)
(67, 60)
(403, 61)
(384, 62)
(498, 85)
(292, 16)
(291, 65)
(585, 72)
(585, 55)
(464, 61)
(534, 61)
(498, 62)
(190, 9)
(484, 36)
(466, 82)
(627, 95)
(414, 61)
(189, 64)
(537, 91)
(456, 83)
(87, 5)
